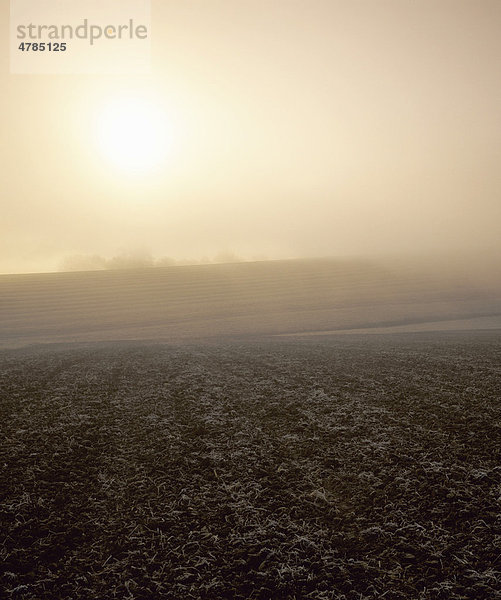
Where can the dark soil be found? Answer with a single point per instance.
(349, 469)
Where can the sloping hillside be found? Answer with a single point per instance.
(207, 301)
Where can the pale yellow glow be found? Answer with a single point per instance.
(277, 128)
(134, 134)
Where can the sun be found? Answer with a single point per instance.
(133, 134)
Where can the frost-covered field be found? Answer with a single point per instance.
(344, 468)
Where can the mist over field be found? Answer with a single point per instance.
(217, 301)
(250, 303)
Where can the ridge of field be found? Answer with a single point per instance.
(208, 301)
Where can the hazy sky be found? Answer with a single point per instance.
(296, 128)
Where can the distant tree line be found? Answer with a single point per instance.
(138, 260)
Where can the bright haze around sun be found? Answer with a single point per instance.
(279, 129)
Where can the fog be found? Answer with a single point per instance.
(299, 129)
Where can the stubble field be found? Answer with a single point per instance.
(335, 468)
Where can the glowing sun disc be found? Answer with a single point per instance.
(133, 134)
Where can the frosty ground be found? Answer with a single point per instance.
(348, 468)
